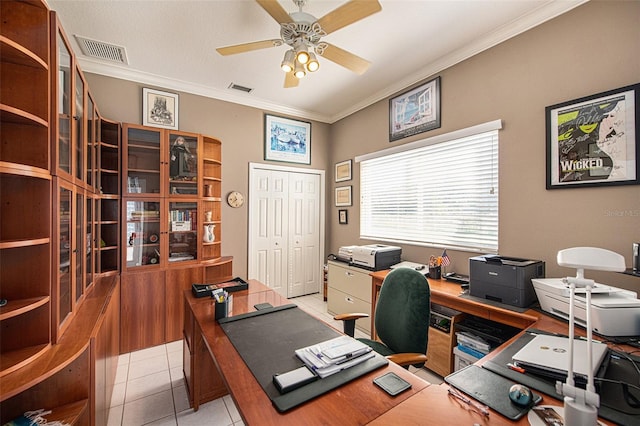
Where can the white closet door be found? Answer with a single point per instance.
(304, 234)
(286, 228)
(270, 226)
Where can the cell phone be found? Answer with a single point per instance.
(392, 384)
(260, 306)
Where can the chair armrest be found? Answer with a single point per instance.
(406, 359)
(350, 316)
(349, 322)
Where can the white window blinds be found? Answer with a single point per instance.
(442, 194)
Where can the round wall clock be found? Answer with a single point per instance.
(235, 199)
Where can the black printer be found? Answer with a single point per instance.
(504, 279)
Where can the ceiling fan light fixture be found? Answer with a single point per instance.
(302, 55)
(287, 62)
(299, 71)
(313, 64)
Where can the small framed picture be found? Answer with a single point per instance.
(343, 196)
(159, 109)
(287, 140)
(343, 171)
(343, 217)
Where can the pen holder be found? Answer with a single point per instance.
(435, 272)
(221, 309)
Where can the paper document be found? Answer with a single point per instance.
(333, 355)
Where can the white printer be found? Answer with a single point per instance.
(614, 311)
(375, 257)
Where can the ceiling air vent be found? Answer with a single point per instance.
(101, 50)
(240, 88)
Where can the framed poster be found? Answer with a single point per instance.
(343, 171)
(593, 141)
(287, 140)
(343, 218)
(343, 196)
(159, 109)
(415, 111)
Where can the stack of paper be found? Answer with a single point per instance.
(329, 357)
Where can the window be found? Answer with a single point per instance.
(441, 191)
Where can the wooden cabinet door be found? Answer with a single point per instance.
(142, 310)
(177, 281)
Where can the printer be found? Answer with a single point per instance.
(504, 279)
(614, 312)
(375, 257)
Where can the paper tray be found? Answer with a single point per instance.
(205, 290)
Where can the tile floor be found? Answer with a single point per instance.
(150, 389)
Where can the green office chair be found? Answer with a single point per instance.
(401, 318)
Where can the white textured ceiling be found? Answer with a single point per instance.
(171, 45)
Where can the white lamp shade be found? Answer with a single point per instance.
(287, 62)
(313, 63)
(299, 71)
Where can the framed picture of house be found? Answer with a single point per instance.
(159, 109)
(593, 141)
(415, 111)
(287, 140)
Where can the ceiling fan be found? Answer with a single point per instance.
(303, 33)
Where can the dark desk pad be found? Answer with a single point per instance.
(489, 388)
(612, 402)
(267, 339)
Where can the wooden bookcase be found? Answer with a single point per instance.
(25, 185)
(170, 181)
(50, 357)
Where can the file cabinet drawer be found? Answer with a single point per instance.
(339, 302)
(350, 280)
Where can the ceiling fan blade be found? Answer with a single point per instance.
(290, 80)
(346, 59)
(276, 11)
(348, 13)
(248, 47)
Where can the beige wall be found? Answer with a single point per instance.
(591, 49)
(239, 128)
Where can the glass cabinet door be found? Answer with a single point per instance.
(183, 164)
(64, 106)
(80, 137)
(64, 264)
(143, 161)
(91, 143)
(142, 233)
(183, 231)
(80, 246)
(89, 243)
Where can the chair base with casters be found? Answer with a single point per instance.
(401, 318)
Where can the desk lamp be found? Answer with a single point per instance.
(581, 405)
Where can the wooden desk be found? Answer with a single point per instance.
(447, 294)
(427, 406)
(213, 368)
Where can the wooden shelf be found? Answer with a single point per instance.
(24, 243)
(18, 307)
(15, 360)
(69, 413)
(18, 116)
